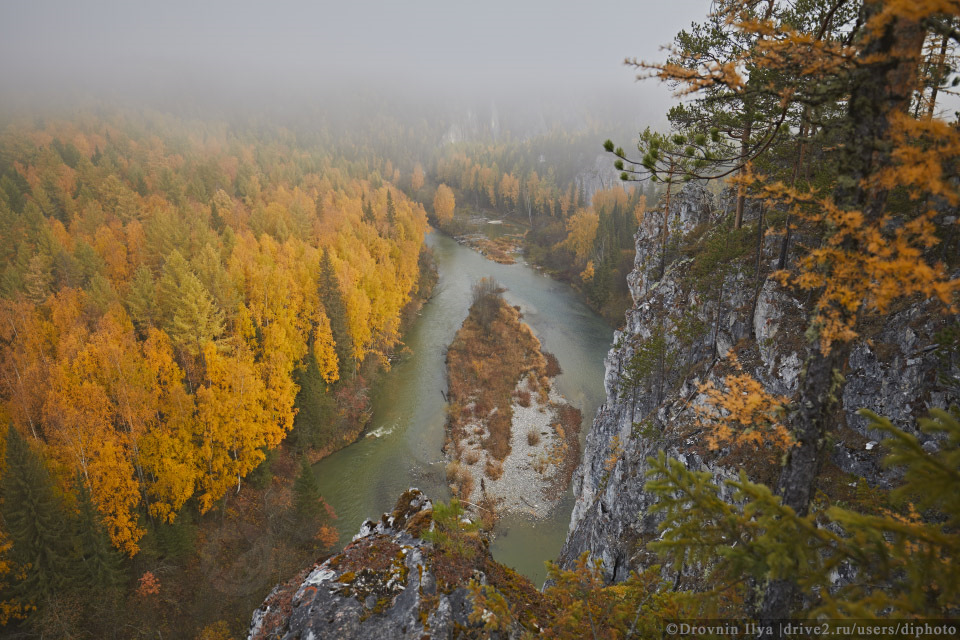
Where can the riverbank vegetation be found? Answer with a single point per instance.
(578, 226)
(177, 299)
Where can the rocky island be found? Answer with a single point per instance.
(512, 440)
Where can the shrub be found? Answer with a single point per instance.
(498, 442)
(486, 302)
(464, 483)
(523, 398)
(553, 365)
(533, 437)
(453, 469)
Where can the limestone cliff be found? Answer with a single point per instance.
(713, 296)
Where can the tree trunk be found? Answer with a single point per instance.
(785, 245)
(881, 86)
(741, 188)
(939, 65)
(758, 284)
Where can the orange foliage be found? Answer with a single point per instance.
(416, 180)
(444, 204)
(149, 585)
(743, 414)
(581, 232)
(225, 297)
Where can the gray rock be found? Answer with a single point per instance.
(893, 371)
(381, 586)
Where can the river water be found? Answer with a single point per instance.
(401, 447)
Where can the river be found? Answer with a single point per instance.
(402, 446)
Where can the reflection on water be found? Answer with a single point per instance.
(402, 445)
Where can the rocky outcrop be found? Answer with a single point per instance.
(391, 582)
(710, 300)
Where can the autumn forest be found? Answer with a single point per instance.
(219, 260)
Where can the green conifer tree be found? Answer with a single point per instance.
(141, 299)
(336, 309)
(307, 500)
(197, 319)
(99, 564)
(391, 209)
(904, 562)
(37, 522)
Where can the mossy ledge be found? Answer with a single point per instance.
(396, 580)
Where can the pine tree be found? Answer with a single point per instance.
(904, 564)
(670, 159)
(36, 520)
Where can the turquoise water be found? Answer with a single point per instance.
(401, 448)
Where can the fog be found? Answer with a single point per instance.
(532, 55)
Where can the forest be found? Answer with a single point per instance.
(579, 223)
(194, 310)
(178, 299)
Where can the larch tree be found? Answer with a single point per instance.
(444, 204)
(325, 351)
(872, 251)
(235, 424)
(168, 450)
(416, 178)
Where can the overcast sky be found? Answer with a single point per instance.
(293, 49)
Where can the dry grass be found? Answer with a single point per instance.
(460, 479)
(499, 250)
(465, 483)
(493, 469)
(541, 463)
(453, 469)
(566, 452)
(523, 398)
(471, 458)
(490, 354)
(488, 513)
(533, 437)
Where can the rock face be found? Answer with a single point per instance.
(388, 583)
(710, 300)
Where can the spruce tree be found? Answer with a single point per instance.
(368, 216)
(336, 310)
(36, 520)
(391, 210)
(99, 565)
(306, 492)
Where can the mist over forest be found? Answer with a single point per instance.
(620, 313)
(532, 59)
